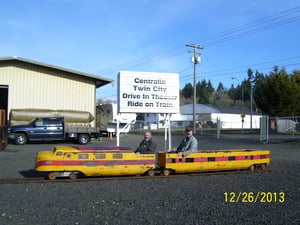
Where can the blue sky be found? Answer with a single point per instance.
(103, 37)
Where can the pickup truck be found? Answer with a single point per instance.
(50, 129)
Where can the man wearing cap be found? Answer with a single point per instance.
(188, 145)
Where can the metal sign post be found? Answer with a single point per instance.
(166, 131)
(167, 125)
(118, 134)
(170, 141)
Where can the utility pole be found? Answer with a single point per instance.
(196, 60)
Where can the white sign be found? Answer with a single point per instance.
(147, 92)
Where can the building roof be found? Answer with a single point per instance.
(99, 81)
(208, 108)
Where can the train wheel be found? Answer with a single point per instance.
(150, 173)
(52, 176)
(252, 168)
(73, 176)
(263, 166)
(166, 172)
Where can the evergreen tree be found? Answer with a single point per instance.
(232, 92)
(187, 91)
(220, 88)
(204, 91)
(279, 93)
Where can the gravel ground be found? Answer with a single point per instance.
(173, 200)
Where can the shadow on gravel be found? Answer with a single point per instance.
(31, 173)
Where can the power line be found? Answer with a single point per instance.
(270, 22)
(278, 19)
(255, 64)
(231, 71)
(188, 76)
(246, 66)
(253, 27)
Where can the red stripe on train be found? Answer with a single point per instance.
(92, 162)
(220, 158)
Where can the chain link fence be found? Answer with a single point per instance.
(280, 129)
(268, 129)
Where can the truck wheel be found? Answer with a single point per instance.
(83, 139)
(20, 139)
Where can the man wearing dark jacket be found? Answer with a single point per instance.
(147, 146)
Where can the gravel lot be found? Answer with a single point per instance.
(173, 200)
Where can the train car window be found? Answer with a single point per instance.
(117, 156)
(262, 156)
(211, 159)
(83, 156)
(58, 153)
(100, 156)
(189, 160)
(173, 160)
(251, 157)
(230, 158)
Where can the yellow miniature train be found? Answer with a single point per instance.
(71, 161)
(93, 161)
(217, 160)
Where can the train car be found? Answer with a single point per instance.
(72, 161)
(218, 160)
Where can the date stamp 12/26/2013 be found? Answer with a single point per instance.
(252, 197)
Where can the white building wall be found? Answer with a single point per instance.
(29, 87)
(228, 121)
(158, 118)
(234, 121)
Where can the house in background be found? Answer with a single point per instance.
(207, 116)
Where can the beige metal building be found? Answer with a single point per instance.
(29, 84)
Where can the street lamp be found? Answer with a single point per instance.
(234, 78)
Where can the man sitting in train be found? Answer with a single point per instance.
(188, 145)
(147, 145)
